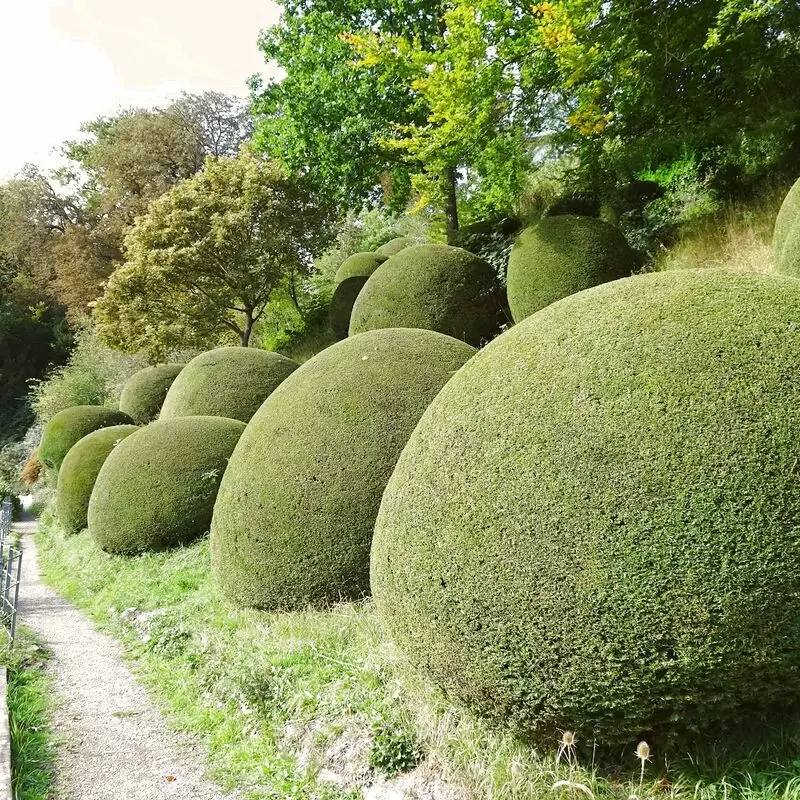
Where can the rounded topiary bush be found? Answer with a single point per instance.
(563, 255)
(144, 392)
(786, 238)
(360, 265)
(342, 305)
(79, 471)
(70, 426)
(229, 382)
(394, 246)
(157, 487)
(294, 517)
(594, 526)
(431, 286)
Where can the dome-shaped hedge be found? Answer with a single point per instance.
(432, 286)
(79, 471)
(594, 527)
(394, 246)
(563, 255)
(360, 265)
(342, 305)
(144, 392)
(230, 382)
(294, 517)
(70, 426)
(786, 238)
(157, 487)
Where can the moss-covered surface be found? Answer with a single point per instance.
(394, 246)
(359, 265)
(294, 518)
(341, 306)
(79, 472)
(594, 526)
(144, 392)
(157, 487)
(786, 239)
(230, 382)
(435, 287)
(562, 255)
(70, 426)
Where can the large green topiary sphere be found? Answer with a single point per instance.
(594, 527)
(144, 392)
(394, 246)
(70, 426)
(294, 517)
(79, 471)
(786, 238)
(431, 286)
(157, 488)
(229, 382)
(360, 265)
(563, 255)
(342, 305)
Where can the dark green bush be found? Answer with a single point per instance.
(342, 305)
(435, 287)
(294, 518)
(786, 239)
(594, 526)
(70, 426)
(394, 246)
(144, 393)
(229, 382)
(79, 471)
(360, 265)
(157, 487)
(563, 255)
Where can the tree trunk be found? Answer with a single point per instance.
(244, 336)
(450, 203)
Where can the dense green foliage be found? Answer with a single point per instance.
(227, 382)
(293, 521)
(79, 471)
(592, 524)
(432, 286)
(70, 426)
(359, 265)
(563, 255)
(157, 487)
(786, 239)
(394, 246)
(144, 392)
(341, 307)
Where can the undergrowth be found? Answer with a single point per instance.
(317, 705)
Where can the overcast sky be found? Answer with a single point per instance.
(66, 61)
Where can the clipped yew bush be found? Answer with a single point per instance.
(431, 286)
(594, 526)
(360, 265)
(229, 382)
(144, 392)
(341, 306)
(562, 255)
(70, 426)
(394, 246)
(294, 517)
(157, 488)
(786, 238)
(79, 472)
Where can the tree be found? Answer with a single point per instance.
(204, 261)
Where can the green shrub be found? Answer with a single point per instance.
(342, 305)
(562, 255)
(359, 265)
(435, 287)
(70, 426)
(594, 526)
(157, 487)
(786, 239)
(293, 521)
(229, 382)
(394, 246)
(79, 472)
(144, 393)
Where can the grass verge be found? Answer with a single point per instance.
(317, 705)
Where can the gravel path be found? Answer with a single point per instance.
(112, 742)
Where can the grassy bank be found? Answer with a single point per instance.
(317, 705)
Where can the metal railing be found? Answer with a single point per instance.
(10, 571)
